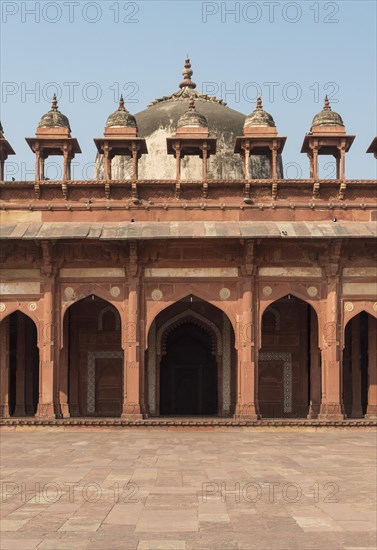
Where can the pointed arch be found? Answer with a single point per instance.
(196, 291)
(184, 317)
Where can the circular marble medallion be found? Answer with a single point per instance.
(312, 291)
(348, 306)
(267, 291)
(224, 293)
(156, 295)
(32, 306)
(115, 291)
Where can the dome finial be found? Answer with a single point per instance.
(187, 74)
(327, 104)
(121, 104)
(259, 103)
(54, 105)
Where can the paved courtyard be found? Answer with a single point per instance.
(177, 489)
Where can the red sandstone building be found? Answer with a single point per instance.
(188, 277)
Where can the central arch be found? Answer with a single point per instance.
(189, 360)
(188, 372)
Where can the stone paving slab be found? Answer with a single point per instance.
(158, 489)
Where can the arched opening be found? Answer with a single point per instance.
(94, 358)
(188, 373)
(19, 365)
(360, 366)
(289, 366)
(190, 361)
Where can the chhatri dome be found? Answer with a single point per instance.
(259, 117)
(160, 120)
(191, 118)
(54, 118)
(327, 117)
(121, 118)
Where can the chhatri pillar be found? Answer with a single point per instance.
(191, 139)
(260, 137)
(373, 148)
(53, 137)
(327, 136)
(121, 138)
(5, 151)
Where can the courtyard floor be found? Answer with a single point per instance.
(182, 489)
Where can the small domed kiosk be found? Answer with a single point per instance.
(260, 137)
(327, 136)
(121, 138)
(53, 137)
(191, 138)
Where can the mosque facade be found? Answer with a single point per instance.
(188, 278)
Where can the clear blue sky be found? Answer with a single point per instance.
(302, 47)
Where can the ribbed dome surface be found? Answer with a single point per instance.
(327, 117)
(121, 118)
(259, 117)
(54, 118)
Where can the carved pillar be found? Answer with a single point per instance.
(247, 161)
(131, 393)
(310, 157)
(204, 161)
(107, 162)
(64, 370)
(74, 363)
(46, 338)
(4, 368)
(135, 153)
(37, 165)
(315, 163)
(372, 368)
(332, 399)
(342, 162)
(42, 167)
(315, 367)
(29, 373)
(356, 369)
(177, 161)
(20, 368)
(274, 154)
(65, 167)
(247, 386)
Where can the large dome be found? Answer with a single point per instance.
(159, 121)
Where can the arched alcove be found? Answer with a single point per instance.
(289, 365)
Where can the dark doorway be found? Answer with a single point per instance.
(23, 365)
(188, 373)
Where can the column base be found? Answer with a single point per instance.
(4, 411)
(45, 411)
(64, 410)
(246, 412)
(371, 413)
(331, 411)
(131, 416)
(313, 412)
